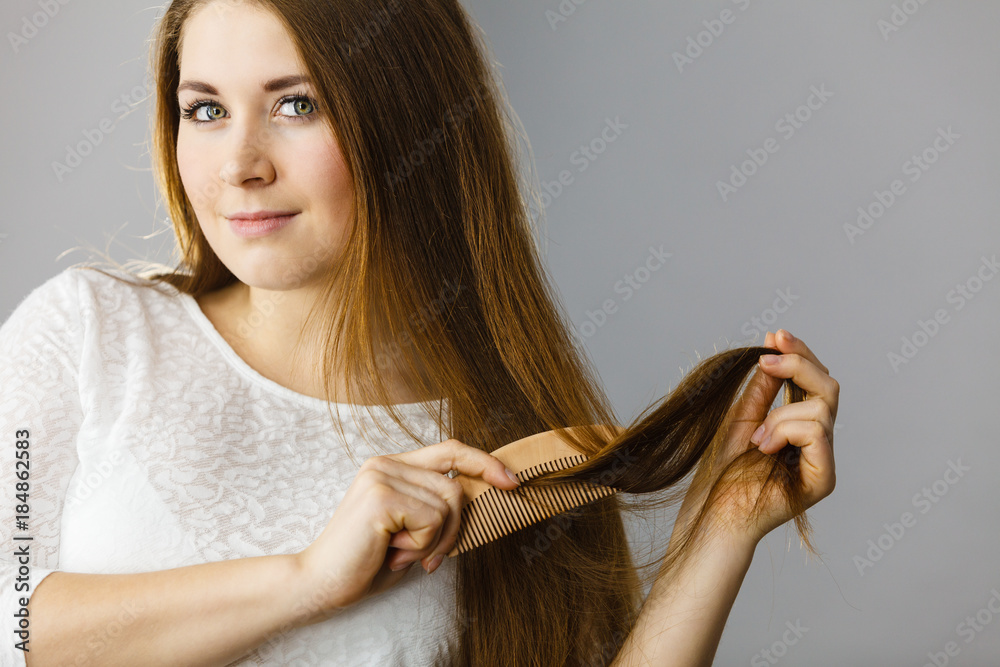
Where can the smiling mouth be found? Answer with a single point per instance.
(260, 223)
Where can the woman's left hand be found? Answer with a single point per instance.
(807, 424)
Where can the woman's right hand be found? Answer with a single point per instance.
(399, 509)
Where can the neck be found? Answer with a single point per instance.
(267, 328)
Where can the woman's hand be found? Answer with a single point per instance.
(807, 424)
(399, 509)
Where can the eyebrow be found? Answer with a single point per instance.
(271, 86)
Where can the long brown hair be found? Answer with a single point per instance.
(442, 255)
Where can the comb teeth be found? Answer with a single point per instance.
(496, 513)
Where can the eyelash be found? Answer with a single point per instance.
(188, 113)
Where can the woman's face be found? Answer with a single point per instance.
(251, 142)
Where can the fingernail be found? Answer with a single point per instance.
(512, 476)
(755, 438)
(401, 566)
(433, 563)
(769, 359)
(789, 337)
(763, 444)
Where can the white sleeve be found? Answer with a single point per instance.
(40, 416)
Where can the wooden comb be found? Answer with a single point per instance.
(491, 513)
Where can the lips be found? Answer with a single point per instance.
(260, 215)
(259, 223)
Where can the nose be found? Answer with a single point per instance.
(249, 163)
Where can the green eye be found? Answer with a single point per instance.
(203, 111)
(297, 106)
(206, 111)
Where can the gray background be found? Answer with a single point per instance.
(782, 232)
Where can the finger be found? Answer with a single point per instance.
(749, 410)
(802, 371)
(754, 402)
(440, 458)
(786, 342)
(752, 406)
(812, 410)
(816, 464)
(454, 455)
(412, 511)
(447, 489)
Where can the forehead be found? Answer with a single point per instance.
(230, 40)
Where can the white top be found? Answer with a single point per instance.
(153, 445)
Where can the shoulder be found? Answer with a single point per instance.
(122, 299)
(51, 305)
(114, 284)
(83, 298)
(85, 286)
(46, 324)
(60, 288)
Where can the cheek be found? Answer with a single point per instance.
(324, 178)
(195, 173)
(321, 168)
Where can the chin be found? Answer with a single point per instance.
(278, 276)
(278, 267)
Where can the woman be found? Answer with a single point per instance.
(353, 240)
